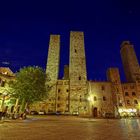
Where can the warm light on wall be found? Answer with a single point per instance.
(90, 98)
(127, 110)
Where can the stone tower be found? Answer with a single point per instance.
(77, 73)
(130, 62)
(113, 76)
(52, 69)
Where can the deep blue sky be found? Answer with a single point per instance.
(25, 29)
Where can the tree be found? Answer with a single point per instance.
(30, 85)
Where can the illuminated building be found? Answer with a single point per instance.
(52, 69)
(6, 76)
(74, 94)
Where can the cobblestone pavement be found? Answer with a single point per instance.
(70, 128)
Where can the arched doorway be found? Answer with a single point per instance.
(94, 112)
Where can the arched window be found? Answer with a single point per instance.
(128, 102)
(135, 102)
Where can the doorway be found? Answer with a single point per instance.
(94, 112)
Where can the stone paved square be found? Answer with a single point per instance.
(70, 128)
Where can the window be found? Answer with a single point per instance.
(120, 104)
(67, 90)
(128, 102)
(59, 90)
(2, 83)
(103, 88)
(58, 97)
(80, 98)
(95, 99)
(133, 94)
(126, 94)
(135, 102)
(75, 51)
(104, 98)
(132, 87)
(79, 77)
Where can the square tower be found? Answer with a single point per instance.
(130, 62)
(113, 76)
(52, 69)
(77, 74)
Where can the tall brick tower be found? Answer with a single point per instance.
(77, 73)
(52, 69)
(113, 76)
(130, 62)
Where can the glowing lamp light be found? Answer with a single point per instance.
(127, 110)
(120, 110)
(134, 110)
(90, 98)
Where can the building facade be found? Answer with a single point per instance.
(6, 76)
(75, 94)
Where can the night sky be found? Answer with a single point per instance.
(25, 30)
